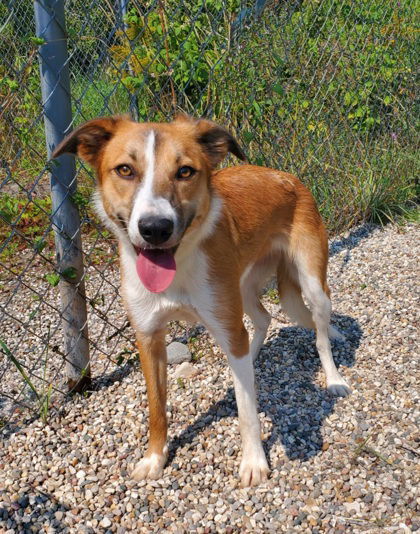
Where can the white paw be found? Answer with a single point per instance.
(335, 334)
(151, 466)
(338, 386)
(253, 471)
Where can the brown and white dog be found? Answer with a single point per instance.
(199, 244)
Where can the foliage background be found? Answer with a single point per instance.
(325, 89)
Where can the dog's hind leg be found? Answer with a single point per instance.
(314, 287)
(260, 319)
(291, 300)
(251, 287)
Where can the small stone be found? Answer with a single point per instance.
(24, 501)
(349, 506)
(178, 353)
(106, 522)
(185, 370)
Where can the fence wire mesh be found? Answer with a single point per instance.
(321, 88)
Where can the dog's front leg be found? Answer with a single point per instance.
(254, 468)
(153, 361)
(230, 332)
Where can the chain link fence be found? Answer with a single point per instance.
(321, 88)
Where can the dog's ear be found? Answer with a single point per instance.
(88, 140)
(217, 142)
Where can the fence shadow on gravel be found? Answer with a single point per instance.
(298, 419)
(116, 375)
(38, 508)
(352, 240)
(298, 412)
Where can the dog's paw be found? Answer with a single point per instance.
(151, 466)
(338, 387)
(253, 471)
(335, 334)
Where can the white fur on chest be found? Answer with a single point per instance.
(151, 311)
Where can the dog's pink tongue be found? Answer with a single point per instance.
(156, 269)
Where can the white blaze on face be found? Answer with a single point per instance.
(146, 204)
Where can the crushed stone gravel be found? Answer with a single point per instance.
(337, 465)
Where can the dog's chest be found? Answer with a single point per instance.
(188, 298)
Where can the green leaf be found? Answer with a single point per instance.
(279, 59)
(37, 40)
(12, 84)
(39, 244)
(278, 89)
(257, 108)
(70, 272)
(348, 99)
(248, 136)
(53, 278)
(81, 200)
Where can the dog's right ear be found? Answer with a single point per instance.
(217, 142)
(88, 140)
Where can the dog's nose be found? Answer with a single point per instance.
(155, 230)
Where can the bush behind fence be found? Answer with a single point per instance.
(321, 88)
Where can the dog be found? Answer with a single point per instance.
(199, 244)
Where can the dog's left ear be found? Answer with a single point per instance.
(217, 142)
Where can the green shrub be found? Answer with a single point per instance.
(172, 56)
(325, 91)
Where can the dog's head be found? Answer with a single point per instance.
(153, 178)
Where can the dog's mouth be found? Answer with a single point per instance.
(156, 267)
(162, 250)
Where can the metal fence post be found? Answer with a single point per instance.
(122, 14)
(55, 86)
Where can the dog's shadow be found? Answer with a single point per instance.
(287, 393)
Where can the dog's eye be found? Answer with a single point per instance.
(125, 171)
(185, 172)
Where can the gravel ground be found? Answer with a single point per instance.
(338, 465)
